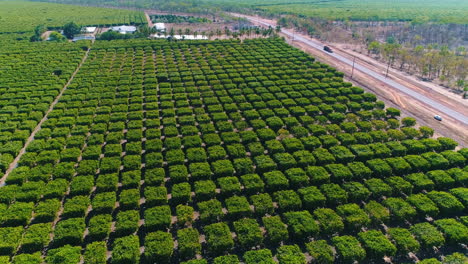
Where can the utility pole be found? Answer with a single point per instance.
(352, 70)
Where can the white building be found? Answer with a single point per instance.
(181, 37)
(124, 29)
(160, 26)
(89, 29)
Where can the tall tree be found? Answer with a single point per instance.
(70, 29)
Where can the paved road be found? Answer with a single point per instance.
(442, 109)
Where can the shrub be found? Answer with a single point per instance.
(376, 244)
(104, 202)
(377, 212)
(126, 250)
(275, 180)
(76, 206)
(158, 247)
(274, 146)
(441, 178)
(342, 154)
(228, 259)
(399, 185)
(284, 160)
(34, 258)
(199, 171)
(205, 190)
(455, 159)
(252, 183)
(334, 193)
(455, 232)
(264, 163)
(238, 206)
(312, 197)
(356, 191)
(379, 167)
(427, 235)
(461, 193)
(188, 242)
(423, 204)
(196, 155)
(320, 251)
(69, 231)
(158, 217)
(81, 185)
(297, 177)
(65, 254)
(446, 202)
(329, 221)
(262, 203)
(154, 176)
(110, 165)
(318, 175)
(174, 157)
(436, 160)
(10, 239)
(210, 211)
(236, 150)
(229, 185)
(17, 214)
(248, 232)
(323, 156)
(131, 179)
(153, 160)
(354, 216)
(181, 193)
(290, 254)
(349, 248)
(378, 187)
(222, 168)
(458, 175)
(107, 182)
(127, 222)
(129, 199)
(339, 172)
(243, 166)
(301, 224)
(218, 237)
(404, 240)
(46, 210)
(96, 253)
(263, 256)
(178, 173)
(420, 182)
(276, 230)
(400, 209)
(99, 227)
(447, 143)
(184, 214)
(288, 200)
(304, 158)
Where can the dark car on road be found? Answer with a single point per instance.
(327, 49)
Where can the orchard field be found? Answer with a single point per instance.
(219, 152)
(419, 11)
(24, 16)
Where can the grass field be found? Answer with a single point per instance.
(23, 16)
(223, 151)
